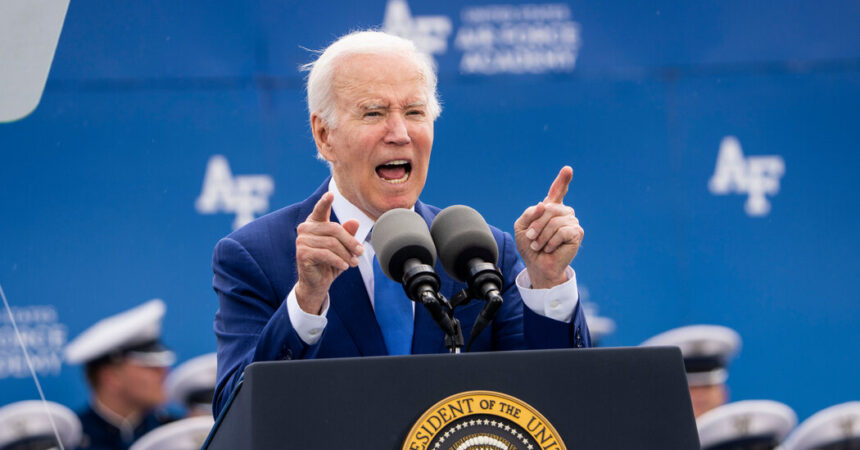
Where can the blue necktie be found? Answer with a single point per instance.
(393, 312)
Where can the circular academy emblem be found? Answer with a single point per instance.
(482, 420)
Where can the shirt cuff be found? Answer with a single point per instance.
(309, 327)
(557, 302)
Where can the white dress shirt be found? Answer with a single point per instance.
(556, 303)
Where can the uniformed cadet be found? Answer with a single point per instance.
(599, 326)
(745, 425)
(185, 434)
(707, 352)
(125, 365)
(192, 384)
(833, 428)
(26, 426)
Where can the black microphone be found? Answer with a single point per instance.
(469, 253)
(406, 254)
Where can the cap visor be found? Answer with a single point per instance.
(163, 358)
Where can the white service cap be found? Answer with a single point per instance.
(193, 382)
(707, 351)
(185, 434)
(748, 423)
(134, 333)
(28, 421)
(836, 427)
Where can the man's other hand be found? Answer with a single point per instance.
(324, 250)
(548, 235)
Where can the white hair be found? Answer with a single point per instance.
(320, 87)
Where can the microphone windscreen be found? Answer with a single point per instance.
(399, 235)
(460, 235)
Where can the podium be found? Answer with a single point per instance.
(589, 399)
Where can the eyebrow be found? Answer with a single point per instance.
(374, 105)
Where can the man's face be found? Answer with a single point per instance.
(380, 150)
(706, 398)
(141, 386)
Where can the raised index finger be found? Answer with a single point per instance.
(559, 187)
(322, 210)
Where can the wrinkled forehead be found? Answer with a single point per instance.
(368, 75)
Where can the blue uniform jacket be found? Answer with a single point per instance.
(255, 269)
(99, 434)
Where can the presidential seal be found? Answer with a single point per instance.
(482, 420)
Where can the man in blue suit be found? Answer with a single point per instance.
(299, 283)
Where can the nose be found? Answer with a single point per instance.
(396, 131)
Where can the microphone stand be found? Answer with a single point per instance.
(442, 312)
(421, 284)
(484, 282)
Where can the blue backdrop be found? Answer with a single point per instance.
(715, 150)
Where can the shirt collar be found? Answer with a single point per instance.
(345, 210)
(126, 425)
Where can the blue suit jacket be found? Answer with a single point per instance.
(255, 270)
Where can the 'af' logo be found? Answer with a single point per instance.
(244, 195)
(756, 176)
(429, 33)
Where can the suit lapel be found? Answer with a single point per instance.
(350, 302)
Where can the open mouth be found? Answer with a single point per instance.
(394, 172)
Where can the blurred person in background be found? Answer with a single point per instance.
(745, 425)
(184, 434)
(707, 351)
(125, 365)
(192, 385)
(26, 425)
(833, 428)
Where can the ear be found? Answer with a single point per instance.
(322, 133)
